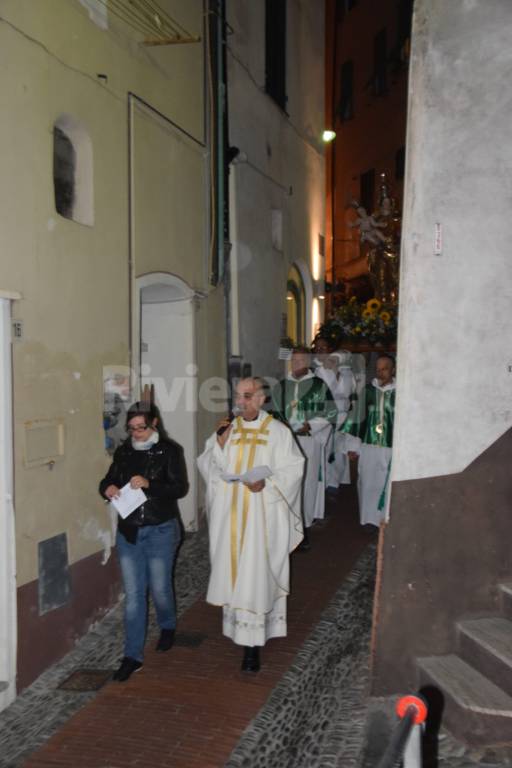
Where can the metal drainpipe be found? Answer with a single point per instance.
(232, 301)
(334, 64)
(223, 198)
(220, 133)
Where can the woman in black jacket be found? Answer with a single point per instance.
(148, 538)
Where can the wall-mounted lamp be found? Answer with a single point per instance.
(319, 289)
(328, 135)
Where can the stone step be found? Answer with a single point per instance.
(506, 600)
(486, 644)
(475, 709)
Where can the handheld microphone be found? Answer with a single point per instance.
(236, 411)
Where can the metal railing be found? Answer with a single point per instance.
(405, 743)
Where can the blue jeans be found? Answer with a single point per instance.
(148, 563)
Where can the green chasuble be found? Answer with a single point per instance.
(295, 401)
(371, 417)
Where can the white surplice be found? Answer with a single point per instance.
(342, 384)
(338, 472)
(252, 534)
(313, 447)
(373, 469)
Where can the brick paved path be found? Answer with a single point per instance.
(189, 707)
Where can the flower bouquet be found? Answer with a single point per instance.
(372, 323)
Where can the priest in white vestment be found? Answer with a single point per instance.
(253, 525)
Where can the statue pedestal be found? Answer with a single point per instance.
(366, 347)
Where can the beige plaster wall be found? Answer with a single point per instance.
(168, 77)
(211, 355)
(74, 279)
(169, 173)
(280, 166)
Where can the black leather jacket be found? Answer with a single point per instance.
(164, 466)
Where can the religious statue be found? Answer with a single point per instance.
(380, 258)
(369, 227)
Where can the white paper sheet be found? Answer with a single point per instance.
(128, 500)
(252, 476)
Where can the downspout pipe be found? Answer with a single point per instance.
(221, 114)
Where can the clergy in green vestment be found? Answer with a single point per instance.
(305, 403)
(368, 432)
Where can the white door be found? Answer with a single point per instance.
(8, 634)
(168, 363)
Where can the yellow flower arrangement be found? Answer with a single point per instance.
(373, 322)
(373, 305)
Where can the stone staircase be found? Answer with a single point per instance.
(477, 682)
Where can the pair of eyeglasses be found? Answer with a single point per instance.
(138, 429)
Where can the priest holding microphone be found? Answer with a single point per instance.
(255, 522)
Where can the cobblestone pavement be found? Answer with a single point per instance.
(314, 708)
(316, 714)
(211, 701)
(42, 708)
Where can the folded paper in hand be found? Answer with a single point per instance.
(252, 476)
(128, 500)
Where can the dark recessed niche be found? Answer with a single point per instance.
(54, 583)
(64, 169)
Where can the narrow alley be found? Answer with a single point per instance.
(255, 288)
(192, 707)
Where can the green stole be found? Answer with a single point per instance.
(374, 422)
(313, 398)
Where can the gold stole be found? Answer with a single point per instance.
(247, 438)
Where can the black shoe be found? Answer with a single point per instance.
(251, 660)
(166, 640)
(305, 545)
(127, 668)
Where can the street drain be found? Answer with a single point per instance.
(82, 680)
(189, 639)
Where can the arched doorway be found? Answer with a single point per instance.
(295, 307)
(167, 365)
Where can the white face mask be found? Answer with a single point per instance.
(143, 445)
